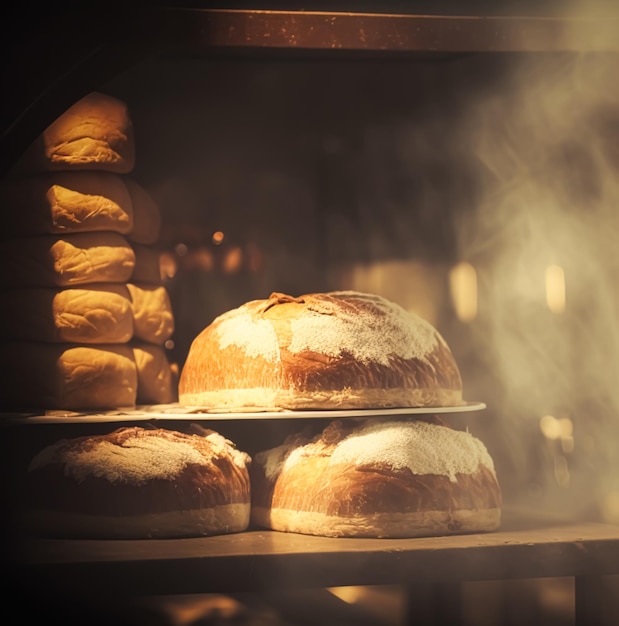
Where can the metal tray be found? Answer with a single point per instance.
(172, 412)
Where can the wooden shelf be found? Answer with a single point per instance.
(261, 560)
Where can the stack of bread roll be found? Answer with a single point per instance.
(85, 314)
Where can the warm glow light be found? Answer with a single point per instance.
(181, 249)
(217, 237)
(567, 427)
(463, 286)
(349, 595)
(562, 471)
(168, 265)
(563, 429)
(233, 260)
(610, 507)
(555, 288)
(550, 427)
(202, 259)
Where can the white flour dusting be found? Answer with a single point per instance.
(221, 445)
(256, 336)
(331, 330)
(136, 461)
(272, 460)
(421, 447)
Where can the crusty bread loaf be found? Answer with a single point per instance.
(65, 202)
(41, 376)
(156, 381)
(377, 478)
(67, 260)
(91, 314)
(147, 215)
(95, 133)
(327, 351)
(153, 319)
(138, 483)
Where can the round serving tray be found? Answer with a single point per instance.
(171, 412)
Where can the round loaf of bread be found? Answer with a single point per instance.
(338, 350)
(138, 483)
(396, 478)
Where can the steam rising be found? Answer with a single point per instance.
(547, 141)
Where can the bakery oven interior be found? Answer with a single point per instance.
(465, 168)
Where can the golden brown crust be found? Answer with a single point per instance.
(66, 202)
(299, 487)
(91, 314)
(331, 350)
(153, 318)
(96, 133)
(156, 381)
(67, 376)
(66, 261)
(143, 482)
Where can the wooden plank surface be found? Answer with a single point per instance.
(262, 560)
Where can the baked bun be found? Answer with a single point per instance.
(66, 260)
(138, 483)
(67, 376)
(153, 319)
(66, 202)
(339, 350)
(377, 478)
(156, 380)
(90, 314)
(96, 133)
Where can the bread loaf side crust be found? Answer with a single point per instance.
(136, 482)
(319, 351)
(302, 486)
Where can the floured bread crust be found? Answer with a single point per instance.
(377, 478)
(139, 483)
(338, 350)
